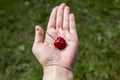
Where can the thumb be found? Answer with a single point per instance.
(39, 34)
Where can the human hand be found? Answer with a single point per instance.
(61, 23)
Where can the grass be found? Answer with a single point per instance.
(98, 26)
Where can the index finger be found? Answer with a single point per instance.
(52, 19)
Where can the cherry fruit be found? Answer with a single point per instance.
(60, 43)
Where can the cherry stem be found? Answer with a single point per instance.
(50, 35)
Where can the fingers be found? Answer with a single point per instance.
(60, 13)
(61, 18)
(72, 24)
(39, 34)
(52, 19)
(66, 18)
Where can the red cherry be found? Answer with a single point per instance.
(60, 43)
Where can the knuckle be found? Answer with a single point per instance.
(65, 24)
(58, 25)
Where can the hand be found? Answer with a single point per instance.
(61, 23)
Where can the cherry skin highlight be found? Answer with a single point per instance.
(60, 43)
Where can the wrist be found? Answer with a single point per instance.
(57, 73)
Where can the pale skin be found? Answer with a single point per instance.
(61, 23)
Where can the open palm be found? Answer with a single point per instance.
(61, 23)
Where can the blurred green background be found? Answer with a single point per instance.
(98, 26)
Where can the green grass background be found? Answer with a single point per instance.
(98, 27)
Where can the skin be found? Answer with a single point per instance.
(61, 23)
